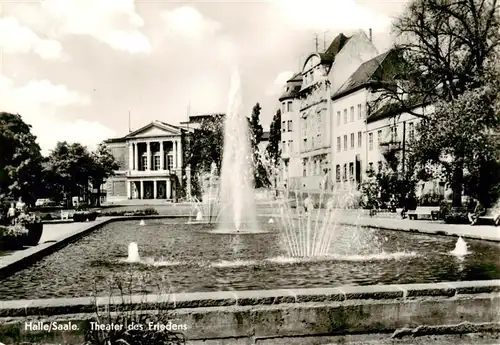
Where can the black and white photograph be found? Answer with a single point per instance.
(249, 172)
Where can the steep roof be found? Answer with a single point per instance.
(366, 73)
(337, 44)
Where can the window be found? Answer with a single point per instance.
(304, 128)
(360, 116)
(283, 145)
(344, 177)
(379, 137)
(283, 107)
(352, 140)
(345, 115)
(360, 139)
(339, 144)
(170, 162)
(345, 142)
(337, 172)
(304, 168)
(289, 106)
(352, 114)
(370, 166)
(290, 145)
(380, 166)
(370, 141)
(411, 131)
(156, 162)
(144, 162)
(351, 171)
(289, 125)
(394, 133)
(283, 126)
(338, 118)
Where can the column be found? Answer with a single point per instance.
(169, 189)
(162, 157)
(142, 190)
(148, 156)
(129, 188)
(179, 154)
(130, 156)
(155, 189)
(136, 156)
(174, 154)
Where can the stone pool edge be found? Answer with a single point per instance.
(19, 260)
(266, 316)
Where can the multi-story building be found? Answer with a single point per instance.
(339, 129)
(350, 108)
(290, 164)
(150, 163)
(323, 75)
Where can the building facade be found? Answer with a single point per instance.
(290, 163)
(150, 163)
(323, 76)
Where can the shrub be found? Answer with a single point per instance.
(456, 216)
(46, 216)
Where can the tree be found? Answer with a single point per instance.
(448, 57)
(103, 165)
(71, 166)
(21, 159)
(273, 147)
(256, 131)
(206, 144)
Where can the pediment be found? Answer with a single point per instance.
(155, 129)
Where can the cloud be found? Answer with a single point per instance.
(188, 22)
(279, 82)
(15, 38)
(41, 104)
(113, 22)
(328, 15)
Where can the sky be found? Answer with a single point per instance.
(75, 69)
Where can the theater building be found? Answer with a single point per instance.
(150, 163)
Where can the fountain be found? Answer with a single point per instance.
(133, 252)
(142, 222)
(460, 248)
(236, 190)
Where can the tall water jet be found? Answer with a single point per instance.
(133, 252)
(236, 190)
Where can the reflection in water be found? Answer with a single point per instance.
(193, 261)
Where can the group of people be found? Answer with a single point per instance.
(14, 210)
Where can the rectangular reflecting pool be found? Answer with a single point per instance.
(180, 257)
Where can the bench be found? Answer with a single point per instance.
(491, 215)
(66, 214)
(374, 211)
(424, 213)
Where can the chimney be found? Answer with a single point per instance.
(370, 34)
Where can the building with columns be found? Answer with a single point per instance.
(150, 163)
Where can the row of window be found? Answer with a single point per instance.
(156, 163)
(286, 107)
(287, 146)
(352, 141)
(393, 138)
(351, 116)
(344, 176)
(286, 126)
(316, 166)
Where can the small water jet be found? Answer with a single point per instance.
(199, 216)
(133, 253)
(461, 248)
(270, 221)
(142, 222)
